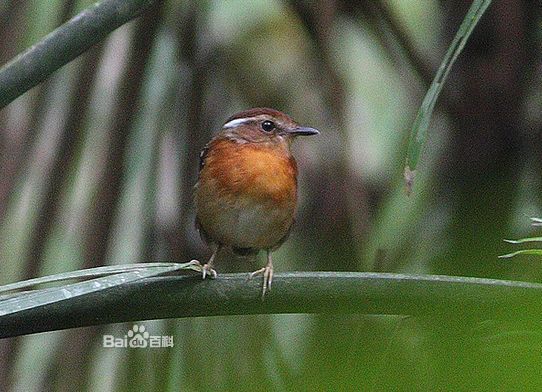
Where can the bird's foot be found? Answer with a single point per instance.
(267, 273)
(206, 269)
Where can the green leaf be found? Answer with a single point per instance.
(64, 44)
(93, 273)
(31, 299)
(524, 240)
(297, 292)
(418, 133)
(536, 252)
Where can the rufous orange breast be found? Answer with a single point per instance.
(246, 196)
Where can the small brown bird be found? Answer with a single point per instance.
(246, 194)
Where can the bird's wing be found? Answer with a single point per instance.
(203, 155)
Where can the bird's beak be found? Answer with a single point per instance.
(303, 131)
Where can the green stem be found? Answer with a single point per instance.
(298, 292)
(64, 44)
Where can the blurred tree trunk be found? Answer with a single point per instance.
(108, 197)
(11, 140)
(336, 200)
(13, 153)
(480, 172)
(192, 126)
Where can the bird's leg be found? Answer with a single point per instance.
(267, 273)
(207, 268)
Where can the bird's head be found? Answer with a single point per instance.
(264, 125)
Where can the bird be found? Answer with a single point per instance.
(246, 193)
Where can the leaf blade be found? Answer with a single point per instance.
(86, 273)
(418, 133)
(536, 252)
(36, 298)
(524, 240)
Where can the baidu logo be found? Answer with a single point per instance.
(138, 337)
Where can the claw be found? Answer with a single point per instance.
(267, 273)
(195, 263)
(207, 270)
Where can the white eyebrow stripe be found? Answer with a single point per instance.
(236, 122)
(239, 121)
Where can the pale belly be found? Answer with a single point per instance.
(246, 196)
(247, 224)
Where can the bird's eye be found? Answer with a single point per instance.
(268, 126)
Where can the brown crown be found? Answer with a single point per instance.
(259, 111)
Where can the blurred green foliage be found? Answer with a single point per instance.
(355, 70)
